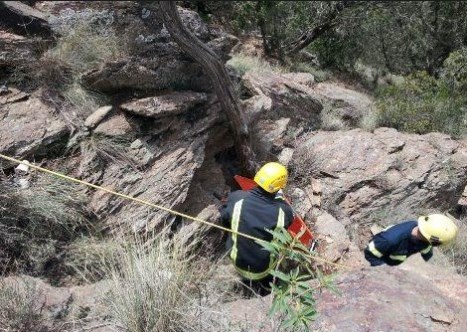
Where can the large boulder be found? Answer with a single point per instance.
(312, 105)
(346, 107)
(12, 12)
(158, 166)
(156, 73)
(28, 126)
(383, 176)
(17, 50)
(288, 98)
(164, 182)
(279, 109)
(415, 296)
(408, 298)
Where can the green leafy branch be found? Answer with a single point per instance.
(292, 289)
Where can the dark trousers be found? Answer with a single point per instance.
(260, 287)
(372, 259)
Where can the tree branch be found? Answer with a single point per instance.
(220, 79)
(312, 34)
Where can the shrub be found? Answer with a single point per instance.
(454, 71)
(293, 293)
(151, 288)
(423, 104)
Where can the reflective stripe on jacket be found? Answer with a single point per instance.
(253, 213)
(393, 245)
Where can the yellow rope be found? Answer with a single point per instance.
(160, 207)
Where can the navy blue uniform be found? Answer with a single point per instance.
(252, 212)
(393, 245)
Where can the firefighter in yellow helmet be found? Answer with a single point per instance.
(393, 245)
(254, 212)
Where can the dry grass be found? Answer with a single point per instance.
(51, 205)
(153, 288)
(82, 46)
(244, 64)
(89, 258)
(109, 150)
(21, 306)
(35, 220)
(331, 121)
(456, 252)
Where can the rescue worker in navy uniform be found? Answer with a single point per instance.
(253, 212)
(393, 245)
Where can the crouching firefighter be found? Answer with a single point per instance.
(393, 245)
(254, 212)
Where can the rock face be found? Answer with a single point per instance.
(158, 166)
(394, 299)
(13, 12)
(382, 176)
(165, 105)
(288, 98)
(279, 106)
(154, 61)
(310, 105)
(165, 182)
(81, 304)
(416, 296)
(16, 49)
(349, 106)
(22, 134)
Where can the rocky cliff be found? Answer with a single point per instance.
(157, 133)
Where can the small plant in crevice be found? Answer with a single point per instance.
(85, 43)
(104, 149)
(297, 277)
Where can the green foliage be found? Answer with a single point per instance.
(454, 71)
(293, 292)
(424, 104)
(396, 36)
(320, 75)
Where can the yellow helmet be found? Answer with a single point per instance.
(271, 177)
(437, 228)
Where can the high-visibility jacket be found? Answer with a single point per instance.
(393, 245)
(253, 212)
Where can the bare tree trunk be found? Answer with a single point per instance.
(312, 34)
(220, 79)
